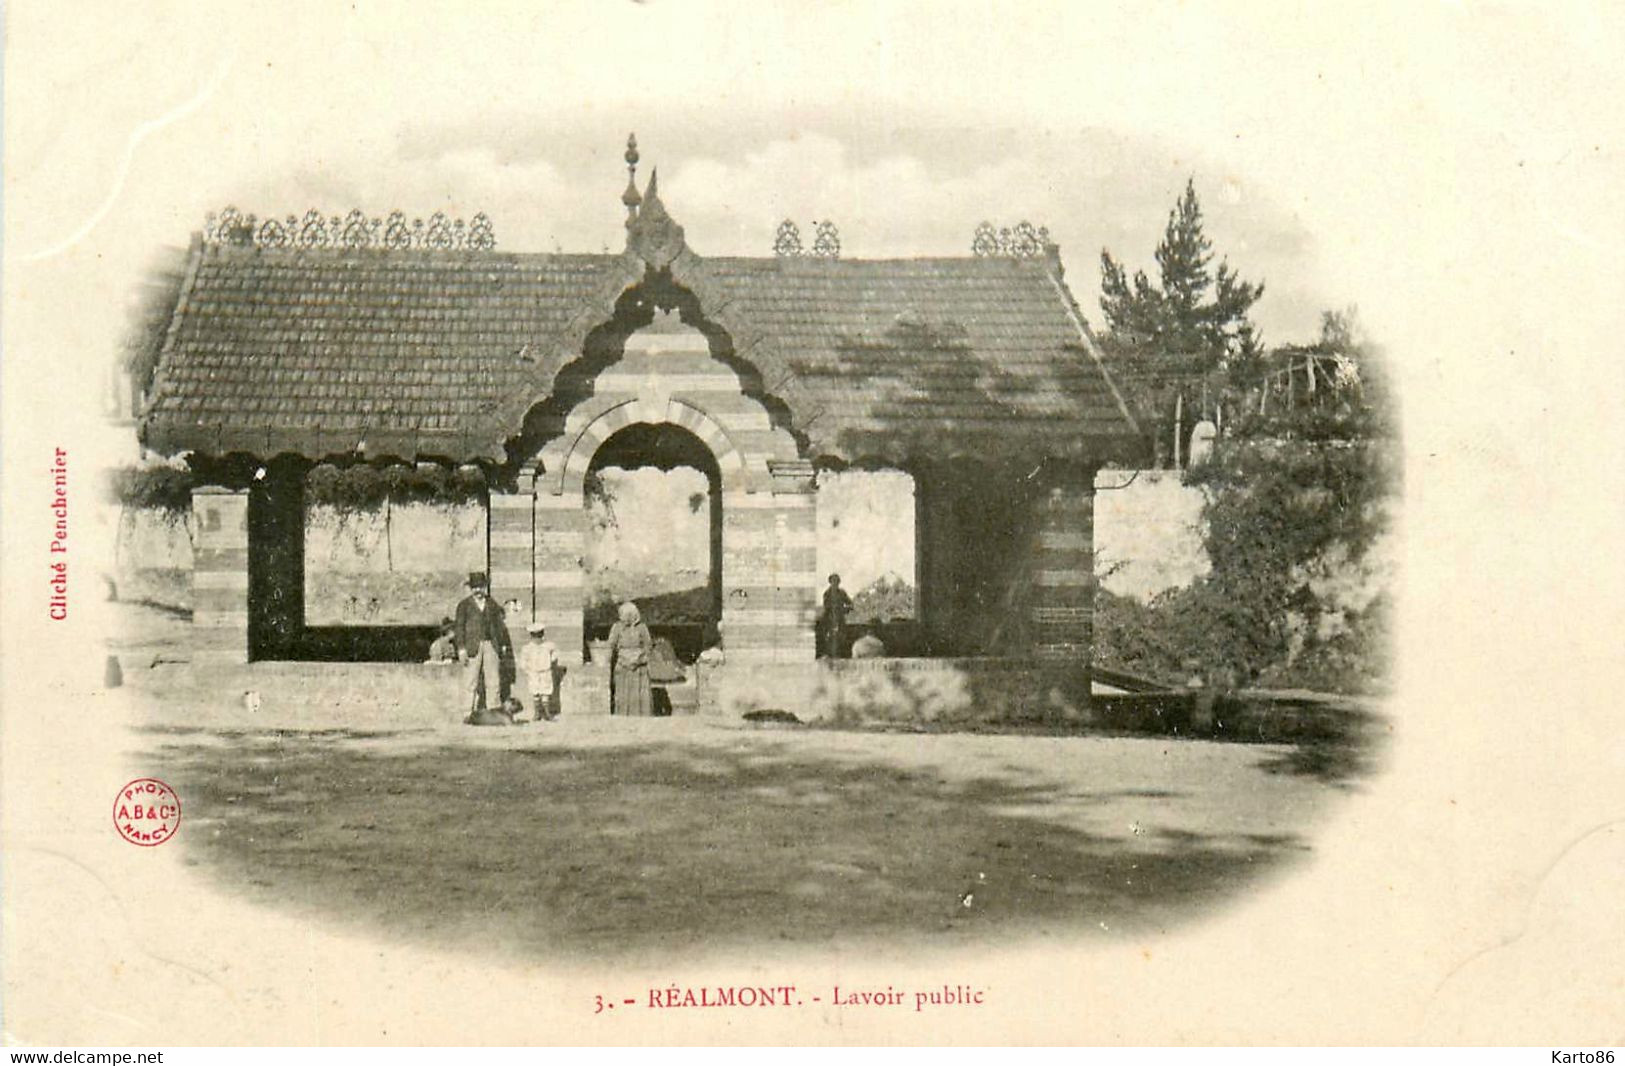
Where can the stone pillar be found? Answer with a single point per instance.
(770, 568)
(220, 576)
(935, 557)
(510, 548)
(560, 582)
(276, 560)
(1061, 603)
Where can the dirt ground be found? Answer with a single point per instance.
(608, 838)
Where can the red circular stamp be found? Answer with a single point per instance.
(147, 812)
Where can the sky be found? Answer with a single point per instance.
(524, 115)
(908, 185)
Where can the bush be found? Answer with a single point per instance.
(156, 488)
(1299, 502)
(360, 487)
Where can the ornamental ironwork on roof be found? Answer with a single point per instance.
(826, 240)
(1022, 241)
(354, 231)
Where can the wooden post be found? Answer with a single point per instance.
(1179, 426)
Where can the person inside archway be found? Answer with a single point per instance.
(837, 605)
(631, 694)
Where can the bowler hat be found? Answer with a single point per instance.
(476, 580)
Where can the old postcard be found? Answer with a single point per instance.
(683, 523)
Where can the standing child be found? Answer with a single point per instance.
(539, 659)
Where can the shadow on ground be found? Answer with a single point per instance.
(1342, 755)
(675, 847)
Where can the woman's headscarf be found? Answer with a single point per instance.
(629, 614)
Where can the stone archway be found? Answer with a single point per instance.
(581, 442)
(661, 545)
(668, 376)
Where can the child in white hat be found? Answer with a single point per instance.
(539, 659)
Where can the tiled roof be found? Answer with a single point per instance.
(438, 354)
(916, 358)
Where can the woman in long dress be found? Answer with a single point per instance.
(629, 646)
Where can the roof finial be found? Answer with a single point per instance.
(653, 234)
(630, 197)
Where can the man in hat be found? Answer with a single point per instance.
(482, 643)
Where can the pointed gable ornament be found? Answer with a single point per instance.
(653, 235)
(630, 197)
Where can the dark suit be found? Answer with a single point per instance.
(483, 635)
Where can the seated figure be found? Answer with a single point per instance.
(443, 649)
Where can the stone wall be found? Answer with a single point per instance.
(153, 560)
(402, 566)
(359, 569)
(941, 692)
(1148, 532)
(936, 695)
(220, 576)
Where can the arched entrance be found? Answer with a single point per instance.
(654, 496)
(668, 400)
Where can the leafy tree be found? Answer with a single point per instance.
(1168, 337)
(1333, 389)
(1300, 493)
(886, 599)
(148, 318)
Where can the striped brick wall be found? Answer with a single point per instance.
(220, 576)
(595, 421)
(560, 542)
(1062, 597)
(669, 378)
(509, 548)
(769, 550)
(770, 572)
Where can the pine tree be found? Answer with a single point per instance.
(1168, 336)
(1177, 321)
